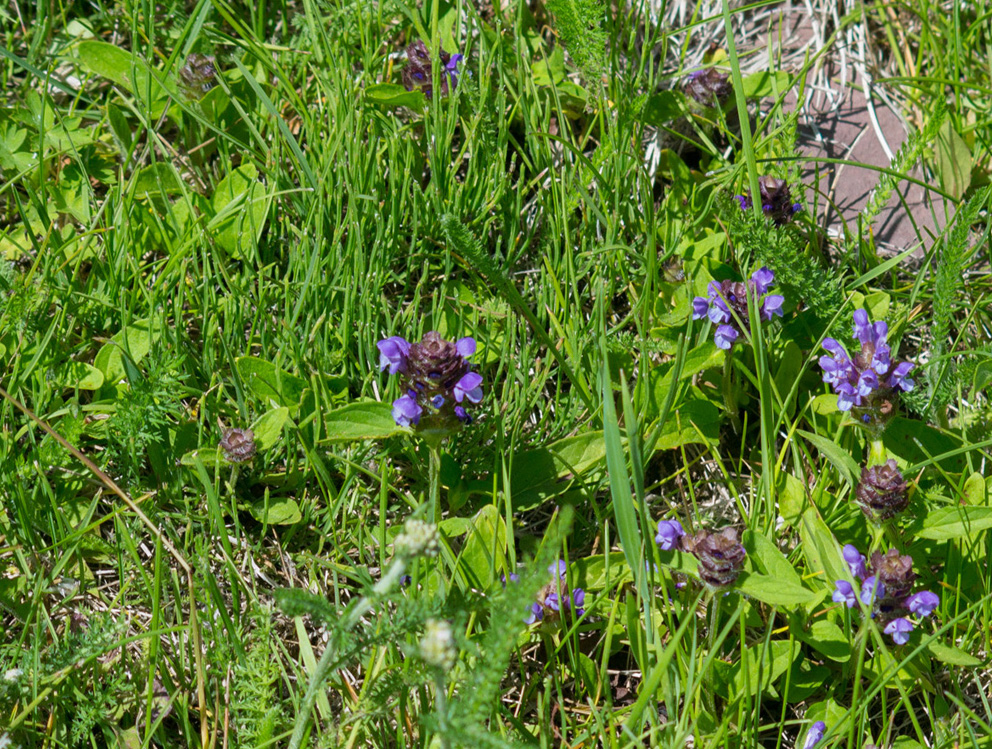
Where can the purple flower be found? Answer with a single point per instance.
(392, 353)
(866, 380)
(726, 305)
(899, 629)
(776, 200)
(437, 379)
(559, 569)
(536, 614)
(513, 577)
(418, 74)
(855, 561)
(871, 589)
(815, 734)
(669, 533)
(922, 603)
(578, 601)
(844, 593)
(406, 411)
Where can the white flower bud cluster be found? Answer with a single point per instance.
(437, 646)
(418, 539)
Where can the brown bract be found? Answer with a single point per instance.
(894, 571)
(882, 491)
(435, 364)
(238, 445)
(720, 555)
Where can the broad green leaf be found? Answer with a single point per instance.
(765, 83)
(364, 420)
(846, 466)
(538, 474)
(551, 70)
(954, 161)
(482, 554)
(760, 667)
(268, 427)
(829, 639)
(136, 339)
(126, 70)
(590, 572)
(268, 382)
(788, 372)
(209, 456)
(767, 558)
(394, 96)
(241, 208)
(821, 550)
(280, 511)
(953, 656)
(662, 108)
(977, 489)
(696, 421)
(773, 591)
(791, 497)
(78, 375)
(953, 522)
(159, 178)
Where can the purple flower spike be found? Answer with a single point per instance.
(468, 387)
(867, 380)
(669, 533)
(899, 629)
(923, 603)
(815, 734)
(726, 306)
(406, 411)
(871, 590)
(855, 561)
(392, 353)
(845, 594)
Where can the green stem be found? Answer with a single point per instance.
(876, 453)
(729, 395)
(433, 509)
(323, 668)
(442, 707)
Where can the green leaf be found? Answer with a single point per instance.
(765, 83)
(364, 420)
(697, 421)
(135, 339)
(820, 548)
(551, 70)
(978, 489)
(662, 108)
(537, 474)
(211, 457)
(946, 523)
(241, 208)
(269, 383)
(773, 591)
(126, 70)
(953, 656)
(268, 427)
(280, 511)
(917, 443)
(766, 556)
(761, 666)
(159, 178)
(483, 550)
(788, 372)
(791, 497)
(954, 161)
(846, 466)
(394, 96)
(77, 375)
(829, 639)
(590, 572)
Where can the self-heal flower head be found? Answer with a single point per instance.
(815, 734)
(923, 603)
(669, 533)
(882, 492)
(708, 87)
(865, 382)
(726, 305)
(418, 75)
(555, 598)
(437, 379)
(776, 200)
(855, 561)
(895, 572)
(899, 630)
(844, 593)
(720, 556)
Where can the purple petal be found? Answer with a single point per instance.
(465, 346)
(462, 415)
(863, 330)
(897, 379)
(762, 280)
(579, 601)
(855, 561)
(772, 305)
(725, 337)
(406, 411)
(536, 614)
(899, 629)
(835, 348)
(844, 593)
(551, 601)
(468, 387)
(392, 353)
(923, 603)
(815, 734)
(743, 201)
(871, 589)
(700, 308)
(558, 569)
(669, 533)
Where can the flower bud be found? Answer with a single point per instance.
(437, 646)
(882, 491)
(895, 572)
(238, 445)
(720, 555)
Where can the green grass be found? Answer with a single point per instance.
(177, 262)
